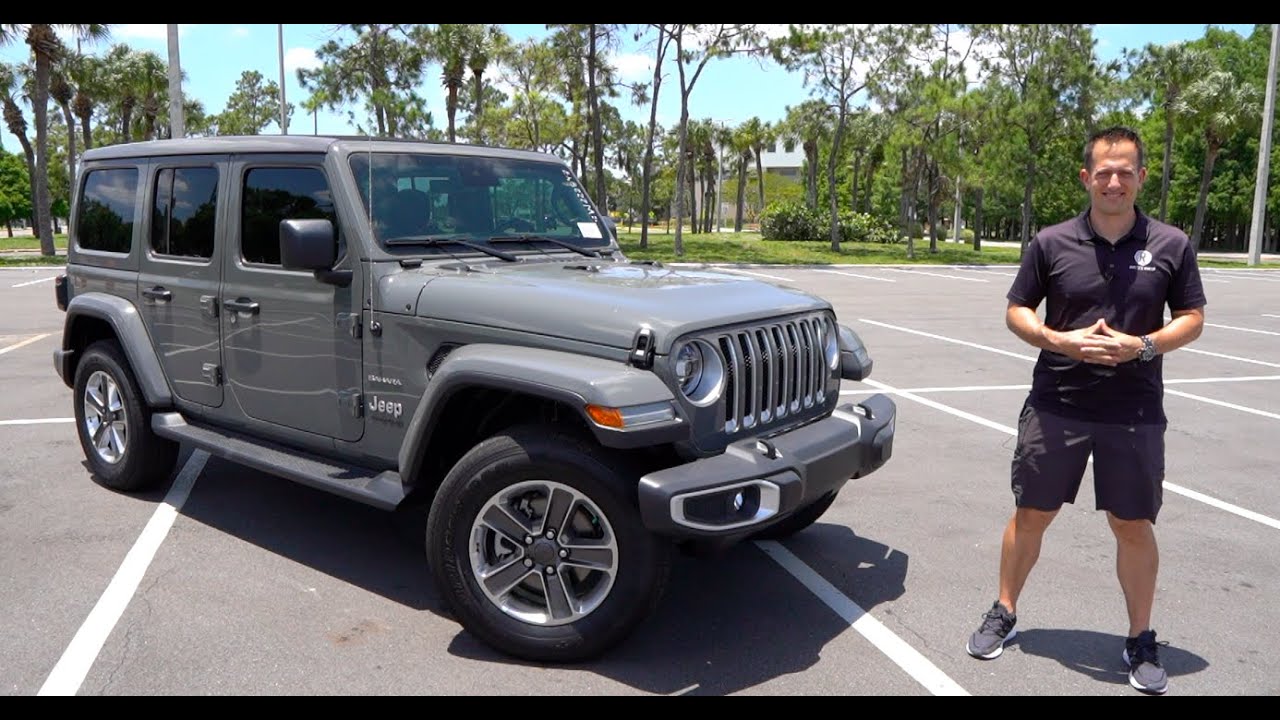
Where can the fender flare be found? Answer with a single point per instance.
(132, 335)
(574, 380)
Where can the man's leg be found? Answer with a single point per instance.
(1137, 562)
(1019, 552)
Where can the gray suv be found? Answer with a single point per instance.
(453, 329)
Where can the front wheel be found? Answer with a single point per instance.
(536, 543)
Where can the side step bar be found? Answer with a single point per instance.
(380, 489)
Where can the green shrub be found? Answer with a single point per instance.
(789, 220)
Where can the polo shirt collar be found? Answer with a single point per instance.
(1139, 231)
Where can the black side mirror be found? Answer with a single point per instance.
(311, 245)
(855, 362)
(611, 226)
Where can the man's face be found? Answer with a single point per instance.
(1115, 179)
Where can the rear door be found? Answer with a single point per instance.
(179, 273)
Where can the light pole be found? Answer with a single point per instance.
(1264, 155)
(177, 123)
(284, 118)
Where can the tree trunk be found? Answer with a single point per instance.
(39, 109)
(1166, 169)
(853, 194)
(977, 222)
(935, 201)
(1024, 234)
(742, 193)
(597, 133)
(71, 145)
(1202, 202)
(760, 183)
(811, 159)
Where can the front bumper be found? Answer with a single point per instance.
(759, 480)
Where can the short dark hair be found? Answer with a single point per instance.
(1114, 134)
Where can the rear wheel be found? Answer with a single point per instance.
(114, 423)
(536, 543)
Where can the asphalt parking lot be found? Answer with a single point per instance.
(258, 586)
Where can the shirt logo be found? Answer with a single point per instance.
(1142, 257)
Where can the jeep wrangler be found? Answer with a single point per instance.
(453, 328)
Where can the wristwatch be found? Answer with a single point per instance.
(1148, 350)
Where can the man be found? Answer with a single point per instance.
(1106, 276)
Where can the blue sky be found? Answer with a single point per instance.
(731, 90)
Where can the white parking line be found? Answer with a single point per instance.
(942, 275)
(1269, 315)
(78, 658)
(985, 388)
(748, 272)
(849, 274)
(1186, 492)
(1230, 357)
(28, 341)
(33, 282)
(37, 421)
(884, 639)
(1242, 329)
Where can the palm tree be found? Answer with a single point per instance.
(17, 124)
(1166, 70)
(45, 48)
(807, 122)
(1223, 105)
(757, 135)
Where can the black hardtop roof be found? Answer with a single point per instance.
(225, 144)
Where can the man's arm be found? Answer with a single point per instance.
(1184, 328)
(1078, 344)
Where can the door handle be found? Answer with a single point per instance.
(158, 294)
(241, 305)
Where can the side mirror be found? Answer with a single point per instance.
(311, 245)
(855, 362)
(611, 226)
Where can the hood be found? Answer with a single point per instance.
(606, 303)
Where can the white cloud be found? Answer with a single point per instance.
(145, 32)
(634, 66)
(240, 31)
(300, 57)
(774, 31)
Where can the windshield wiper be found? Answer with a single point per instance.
(531, 238)
(433, 240)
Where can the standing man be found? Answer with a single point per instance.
(1097, 387)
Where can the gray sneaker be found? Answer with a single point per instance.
(988, 641)
(1142, 655)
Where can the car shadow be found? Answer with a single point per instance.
(726, 623)
(1098, 654)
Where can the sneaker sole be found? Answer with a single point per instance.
(994, 653)
(1139, 686)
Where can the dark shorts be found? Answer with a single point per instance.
(1049, 463)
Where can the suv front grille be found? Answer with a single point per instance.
(772, 371)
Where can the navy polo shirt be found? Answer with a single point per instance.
(1083, 277)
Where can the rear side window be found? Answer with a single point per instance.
(105, 218)
(184, 211)
(275, 194)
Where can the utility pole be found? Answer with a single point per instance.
(284, 118)
(177, 123)
(1264, 155)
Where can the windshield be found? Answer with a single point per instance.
(408, 195)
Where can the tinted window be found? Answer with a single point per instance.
(275, 194)
(105, 218)
(182, 216)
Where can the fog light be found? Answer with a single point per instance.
(737, 501)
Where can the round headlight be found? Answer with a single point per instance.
(688, 367)
(698, 371)
(832, 347)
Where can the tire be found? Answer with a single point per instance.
(521, 470)
(802, 519)
(109, 408)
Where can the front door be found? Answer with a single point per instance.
(291, 343)
(178, 278)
